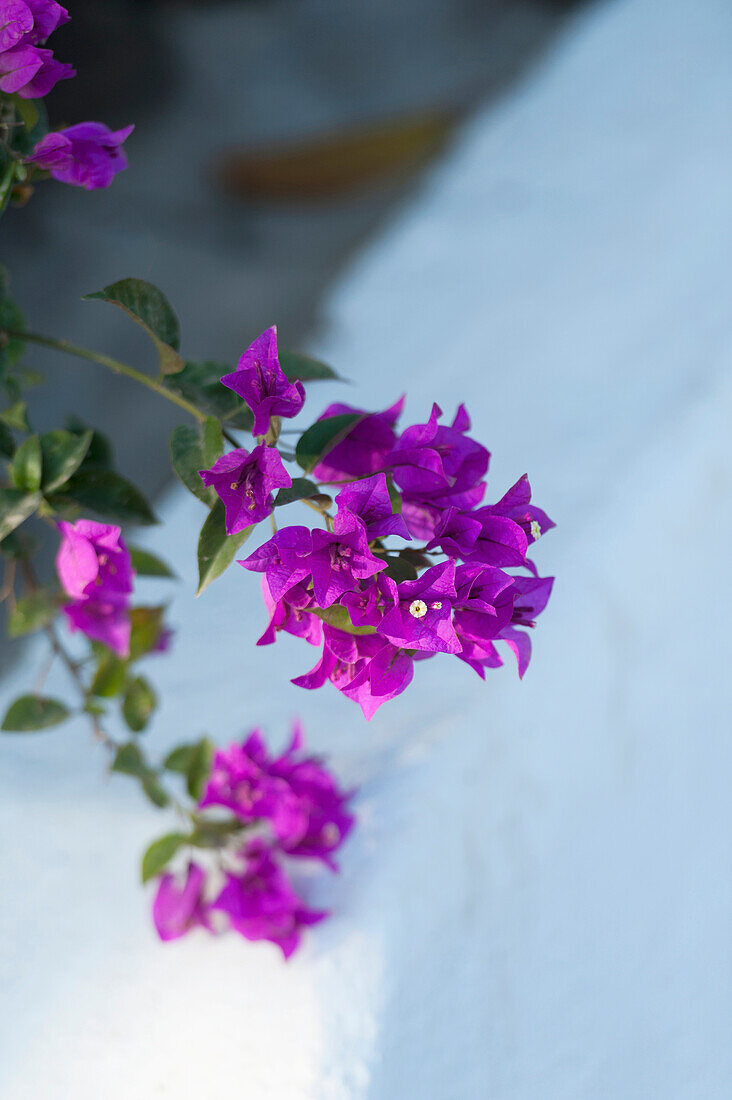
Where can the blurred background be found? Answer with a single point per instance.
(273, 138)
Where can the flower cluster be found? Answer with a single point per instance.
(362, 587)
(285, 806)
(95, 570)
(88, 154)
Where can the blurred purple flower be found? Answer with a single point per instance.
(261, 903)
(31, 72)
(88, 154)
(26, 22)
(179, 907)
(93, 559)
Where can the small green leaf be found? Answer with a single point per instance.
(159, 854)
(199, 767)
(15, 508)
(301, 489)
(25, 469)
(322, 437)
(179, 759)
(110, 677)
(146, 564)
(27, 110)
(150, 309)
(336, 615)
(109, 494)
(16, 416)
(30, 713)
(139, 703)
(7, 443)
(155, 791)
(199, 383)
(192, 450)
(296, 365)
(63, 453)
(33, 612)
(99, 454)
(216, 549)
(398, 568)
(129, 761)
(147, 626)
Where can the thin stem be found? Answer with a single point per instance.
(111, 364)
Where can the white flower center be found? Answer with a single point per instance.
(418, 609)
(535, 529)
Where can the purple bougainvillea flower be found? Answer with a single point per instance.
(483, 602)
(369, 501)
(314, 821)
(382, 677)
(93, 560)
(16, 21)
(501, 541)
(290, 613)
(104, 619)
(421, 612)
(240, 780)
(516, 505)
(364, 449)
(26, 22)
(530, 599)
(456, 533)
(261, 903)
(244, 482)
(338, 561)
(284, 559)
(365, 604)
(480, 655)
(31, 72)
(261, 382)
(436, 467)
(179, 907)
(86, 155)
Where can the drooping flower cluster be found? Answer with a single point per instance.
(361, 586)
(95, 570)
(288, 806)
(88, 154)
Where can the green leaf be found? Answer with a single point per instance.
(33, 612)
(159, 854)
(194, 449)
(322, 437)
(199, 383)
(30, 713)
(296, 365)
(155, 791)
(179, 759)
(336, 615)
(301, 489)
(110, 495)
(199, 767)
(16, 416)
(398, 568)
(147, 626)
(129, 761)
(139, 703)
(110, 677)
(216, 549)
(150, 309)
(146, 564)
(27, 110)
(15, 508)
(25, 469)
(63, 453)
(100, 449)
(7, 443)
